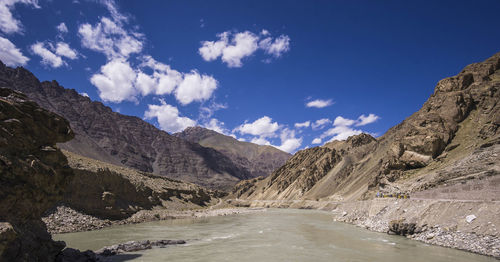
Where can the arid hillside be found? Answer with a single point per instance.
(449, 148)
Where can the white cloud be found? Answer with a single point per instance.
(320, 123)
(289, 143)
(61, 28)
(260, 141)
(365, 120)
(242, 44)
(342, 127)
(195, 87)
(109, 38)
(340, 133)
(208, 111)
(316, 141)
(84, 94)
(263, 127)
(48, 58)
(319, 103)
(216, 126)
(303, 124)
(9, 24)
(163, 80)
(233, 47)
(119, 81)
(113, 10)
(52, 56)
(277, 47)
(168, 117)
(340, 121)
(10, 54)
(63, 49)
(116, 81)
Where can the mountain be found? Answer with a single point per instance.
(124, 140)
(258, 160)
(450, 147)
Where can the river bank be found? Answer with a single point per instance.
(63, 219)
(464, 225)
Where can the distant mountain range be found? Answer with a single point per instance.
(129, 141)
(257, 159)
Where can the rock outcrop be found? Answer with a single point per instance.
(125, 140)
(258, 160)
(453, 138)
(33, 176)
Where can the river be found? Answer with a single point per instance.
(273, 235)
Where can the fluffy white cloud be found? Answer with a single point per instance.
(109, 38)
(316, 141)
(163, 80)
(263, 127)
(289, 143)
(320, 123)
(277, 46)
(216, 126)
(319, 103)
(260, 141)
(63, 49)
(116, 81)
(84, 94)
(242, 44)
(168, 117)
(342, 127)
(340, 121)
(365, 120)
(232, 48)
(303, 124)
(195, 87)
(62, 28)
(52, 56)
(340, 133)
(10, 54)
(8, 24)
(48, 58)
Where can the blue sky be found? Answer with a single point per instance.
(292, 74)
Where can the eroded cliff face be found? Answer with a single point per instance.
(455, 136)
(33, 176)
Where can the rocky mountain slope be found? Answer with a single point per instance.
(33, 176)
(125, 140)
(113, 192)
(258, 160)
(453, 140)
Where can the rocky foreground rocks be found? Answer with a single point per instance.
(101, 255)
(33, 176)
